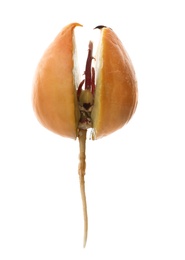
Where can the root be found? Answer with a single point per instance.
(81, 172)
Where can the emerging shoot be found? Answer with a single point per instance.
(85, 101)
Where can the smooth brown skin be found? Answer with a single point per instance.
(54, 94)
(116, 86)
(55, 98)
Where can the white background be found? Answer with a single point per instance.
(135, 177)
